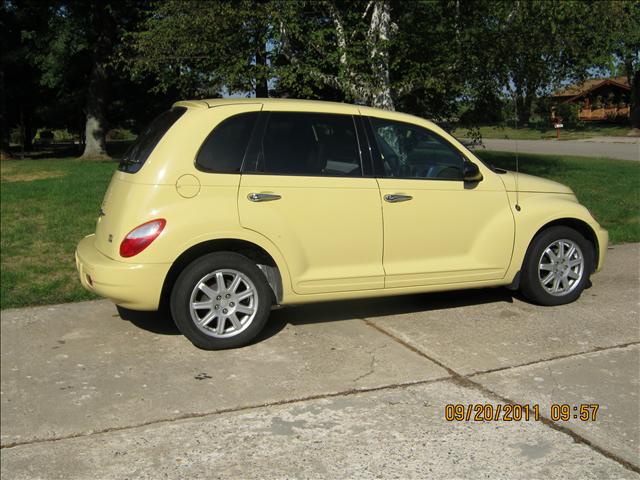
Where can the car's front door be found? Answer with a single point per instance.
(304, 187)
(437, 229)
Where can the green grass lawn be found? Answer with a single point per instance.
(48, 205)
(542, 133)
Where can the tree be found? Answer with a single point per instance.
(201, 48)
(354, 51)
(101, 34)
(621, 40)
(432, 68)
(75, 55)
(108, 62)
(540, 45)
(297, 46)
(71, 53)
(340, 46)
(20, 88)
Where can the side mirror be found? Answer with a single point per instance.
(471, 172)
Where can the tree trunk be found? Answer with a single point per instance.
(346, 79)
(262, 82)
(22, 133)
(28, 135)
(524, 103)
(525, 91)
(95, 147)
(379, 36)
(635, 103)
(4, 127)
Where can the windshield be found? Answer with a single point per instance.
(140, 150)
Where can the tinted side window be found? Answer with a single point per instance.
(310, 144)
(224, 148)
(409, 151)
(140, 150)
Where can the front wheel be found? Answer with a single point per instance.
(221, 300)
(557, 267)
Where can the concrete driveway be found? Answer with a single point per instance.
(622, 148)
(337, 390)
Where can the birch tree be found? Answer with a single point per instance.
(342, 46)
(372, 52)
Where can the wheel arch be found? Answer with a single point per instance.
(580, 226)
(263, 259)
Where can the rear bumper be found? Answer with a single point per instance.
(134, 286)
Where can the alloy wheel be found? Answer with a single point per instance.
(561, 267)
(223, 303)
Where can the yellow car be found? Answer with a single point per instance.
(224, 208)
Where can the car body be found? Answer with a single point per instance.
(328, 200)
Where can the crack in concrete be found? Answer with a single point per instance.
(465, 381)
(187, 416)
(372, 354)
(371, 368)
(557, 357)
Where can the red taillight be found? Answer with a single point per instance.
(141, 237)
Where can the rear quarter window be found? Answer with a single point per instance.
(313, 144)
(139, 151)
(224, 148)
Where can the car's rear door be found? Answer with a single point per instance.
(305, 187)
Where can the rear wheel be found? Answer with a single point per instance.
(221, 300)
(557, 267)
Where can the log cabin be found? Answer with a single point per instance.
(600, 99)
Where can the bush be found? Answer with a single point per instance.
(120, 134)
(44, 137)
(542, 108)
(570, 114)
(47, 136)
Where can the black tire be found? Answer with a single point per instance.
(197, 270)
(530, 284)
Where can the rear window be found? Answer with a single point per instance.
(224, 148)
(139, 151)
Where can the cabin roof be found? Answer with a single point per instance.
(578, 90)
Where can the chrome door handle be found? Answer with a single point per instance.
(397, 197)
(263, 197)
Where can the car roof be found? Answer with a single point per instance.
(288, 104)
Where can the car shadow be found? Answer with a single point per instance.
(161, 323)
(379, 307)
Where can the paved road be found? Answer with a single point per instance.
(629, 150)
(336, 390)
